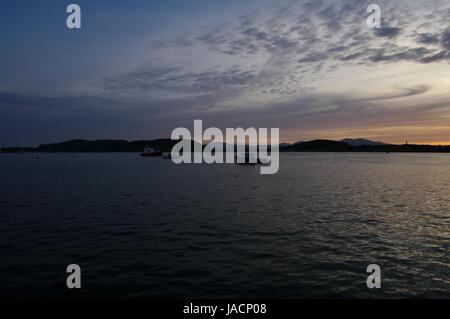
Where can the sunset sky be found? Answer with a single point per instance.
(139, 69)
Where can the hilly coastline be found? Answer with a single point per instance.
(165, 145)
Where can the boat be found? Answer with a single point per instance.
(151, 152)
(167, 156)
(247, 159)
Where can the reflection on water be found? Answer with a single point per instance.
(145, 227)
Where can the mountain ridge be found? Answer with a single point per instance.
(166, 144)
(361, 141)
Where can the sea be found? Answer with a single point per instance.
(148, 228)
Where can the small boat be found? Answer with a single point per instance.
(247, 159)
(151, 152)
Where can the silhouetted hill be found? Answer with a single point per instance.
(165, 145)
(402, 148)
(335, 146)
(360, 141)
(318, 146)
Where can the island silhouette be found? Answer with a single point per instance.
(166, 144)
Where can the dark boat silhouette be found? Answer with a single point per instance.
(247, 158)
(151, 152)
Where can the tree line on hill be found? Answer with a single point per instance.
(165, 145)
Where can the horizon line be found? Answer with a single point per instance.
(218, 141)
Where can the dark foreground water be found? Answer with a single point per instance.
(145, 227)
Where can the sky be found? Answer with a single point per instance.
(139, 69)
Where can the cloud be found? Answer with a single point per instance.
(67, 103)
(325, 31)
(427, 38)
(387, 32)
(445, 39)
(397, 94)
(406, 54)
(314, 57)
(265, 66)
(136, 119)
(180, 80)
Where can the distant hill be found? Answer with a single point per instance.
(360, 141)
(340, 146)
(319, 146)
(165, 145)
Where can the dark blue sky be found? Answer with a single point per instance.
(138, 69)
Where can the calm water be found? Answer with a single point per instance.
(145, 227)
